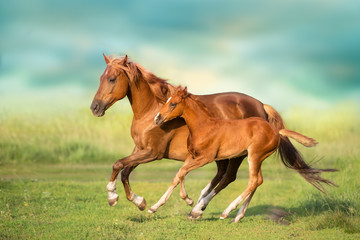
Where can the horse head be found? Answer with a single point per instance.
(114, 84)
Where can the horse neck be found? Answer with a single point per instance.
(195, 115)
(141, 98)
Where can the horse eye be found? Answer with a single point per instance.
(112, 80)
(172, 105)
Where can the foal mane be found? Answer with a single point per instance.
(201, 105)
(158, 86)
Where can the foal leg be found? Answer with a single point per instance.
(222, 166)
(254, 168)
(230, 176)
(135, 159)
(183, 193)
(189, 165)
(244, 206)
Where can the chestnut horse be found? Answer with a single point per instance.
(147, 93)
(212, 139)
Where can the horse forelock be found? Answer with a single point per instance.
(159, 87)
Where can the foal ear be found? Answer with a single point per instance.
(125, 59)
(107, 60)
(183, 92)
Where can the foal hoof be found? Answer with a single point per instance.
(151, 210)
(189, 201)
(194, 215)
(142, 205)
(223, 216)
(113, 201)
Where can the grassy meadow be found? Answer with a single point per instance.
(54, 168)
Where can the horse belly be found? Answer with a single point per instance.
(231, 149)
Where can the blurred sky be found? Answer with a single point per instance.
(285, 53)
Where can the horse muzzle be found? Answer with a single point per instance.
(159, 120)
(98, 108)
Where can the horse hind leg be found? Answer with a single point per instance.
(244, 206)
(228, 177)
(255, 179)
(222, 167)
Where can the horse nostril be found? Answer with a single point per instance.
(94, 107)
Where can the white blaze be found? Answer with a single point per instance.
(157, 115)
(168, 100)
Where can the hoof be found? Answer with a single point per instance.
(223, 216)
(113, 201)
(151, 210)
(142, 205)
(195, 215)
(189, 201)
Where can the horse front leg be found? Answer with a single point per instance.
(128, 164)
(139, 201)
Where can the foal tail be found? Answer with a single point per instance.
(291, 157)
(304, 140)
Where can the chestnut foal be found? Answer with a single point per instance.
(214, 139)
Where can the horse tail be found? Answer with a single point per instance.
(289, 155)
(304, 140)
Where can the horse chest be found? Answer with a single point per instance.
(146, 134)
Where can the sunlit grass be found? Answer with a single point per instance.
(55, 167)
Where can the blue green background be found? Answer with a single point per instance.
(285, 53)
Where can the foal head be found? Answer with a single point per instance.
(174, 106)
(114, 84)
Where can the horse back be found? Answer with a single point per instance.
(232, 105)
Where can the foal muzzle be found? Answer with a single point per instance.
(159, 120)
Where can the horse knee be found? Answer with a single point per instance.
(118, 166)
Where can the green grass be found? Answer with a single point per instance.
(54, 170)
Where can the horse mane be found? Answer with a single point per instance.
(158, 86)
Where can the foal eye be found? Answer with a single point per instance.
(172, 105)
(112, 80)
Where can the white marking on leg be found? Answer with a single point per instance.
(231, 207)
(162, 201)
(242, 210)
(111, 188)
(203, 203)
(168, 99)
(137, 200)
(203, 192)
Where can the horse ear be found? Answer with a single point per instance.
(107, 60)
(178, 89)
(185, 91)
(125, 59)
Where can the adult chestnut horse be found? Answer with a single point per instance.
(212, 139)
(147, 94)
